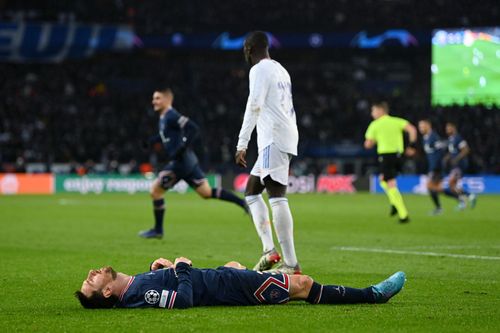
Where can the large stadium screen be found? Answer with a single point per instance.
(466, 66)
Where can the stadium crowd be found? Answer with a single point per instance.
(98, 110)
(160, 16)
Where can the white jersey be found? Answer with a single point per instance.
(270, 107)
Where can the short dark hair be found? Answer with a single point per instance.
(258, 40)
(96, 300)
(165, 90)
(426, 120)
(383, 105)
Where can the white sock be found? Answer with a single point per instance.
(260, 216)
(283, 225)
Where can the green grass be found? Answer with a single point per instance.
(48, 243)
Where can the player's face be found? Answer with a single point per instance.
(160, 101)
(97, 279)
(424, 127)
(377, 112)
(450, 129)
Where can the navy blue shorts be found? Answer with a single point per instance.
(187, 169)
(246, 287)
(175, 171)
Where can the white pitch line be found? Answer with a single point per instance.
(415, 253)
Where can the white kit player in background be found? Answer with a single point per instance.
(270, 107)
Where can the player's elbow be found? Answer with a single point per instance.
(255, 106)
(411, 130)
(192, 127)
(368, 144)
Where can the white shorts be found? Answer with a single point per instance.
(272, 162)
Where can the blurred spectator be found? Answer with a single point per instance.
(165, 16)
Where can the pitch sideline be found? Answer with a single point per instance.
(416, 253)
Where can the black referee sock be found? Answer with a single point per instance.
(321, 294)
(435, 198)
(222, 194)
(159, 211)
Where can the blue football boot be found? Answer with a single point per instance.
(386, 289)
(151, 233)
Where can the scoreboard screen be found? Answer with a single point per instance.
(465, 66)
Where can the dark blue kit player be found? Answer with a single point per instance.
(449, 153)
(434, 148)
(178, 286)
(176, 133)
(456, 162)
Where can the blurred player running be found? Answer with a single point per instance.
(176, 133)
(387, 133)
(270, 107)
(456, 162)
(434, 148)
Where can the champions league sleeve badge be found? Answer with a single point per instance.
(152, 296)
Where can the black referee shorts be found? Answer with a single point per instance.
(390, 165)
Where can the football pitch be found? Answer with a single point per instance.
(452, 262)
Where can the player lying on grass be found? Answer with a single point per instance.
(180, 286)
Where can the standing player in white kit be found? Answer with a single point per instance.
(270, 107)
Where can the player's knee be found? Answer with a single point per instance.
(204, 191)
(156, 192)
(304, 283)
(234, 264)
(254, 187)
(430, 186)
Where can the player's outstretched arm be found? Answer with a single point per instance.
(412, 136)
(464, 151)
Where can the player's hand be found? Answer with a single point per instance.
(161, 263)
(240, 158)
(184, 260)
(410, 151)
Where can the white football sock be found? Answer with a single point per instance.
(260, 217)
(283, 225)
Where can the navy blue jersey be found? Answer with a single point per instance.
(175, 132)
(434, 150)
(186, 287)
(455, 144)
